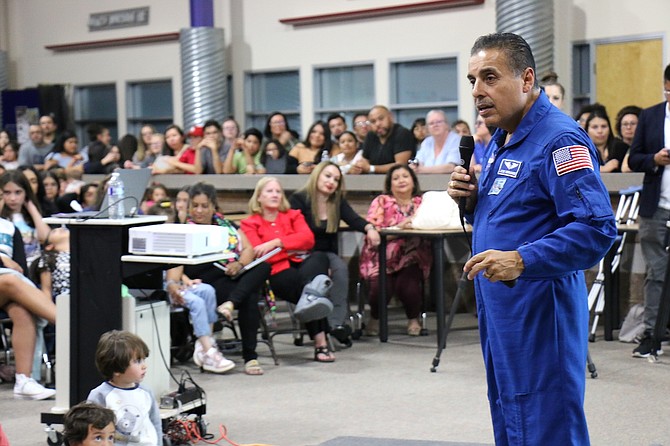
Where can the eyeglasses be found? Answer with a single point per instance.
(362, 124)
(434, 123)
(278, 123)
(632, 124)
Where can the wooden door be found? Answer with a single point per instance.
(629, 73)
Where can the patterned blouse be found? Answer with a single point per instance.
(401, 252)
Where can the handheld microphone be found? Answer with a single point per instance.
(466, 148)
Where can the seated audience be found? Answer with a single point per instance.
(275, 159)
(462, 128)
(323, 205)
(22, 301)
(212, 147)
(387, 144)
(9, 155)
(181, 205)
(611, 150)
(49, 127)
(154, 151)
(274, 224)
(553, 89)
(585, 111)
(482, 135)
(241, 293)
(65, 153)
(5, 137)
(33, 152)
(178, 157)
(349, 152)
(143, 143)
(155, 193)
(361, 127)
(127, 146)
(408, 259)
(625, 125)
(336, 125)
(419, 131)
(316, 146)
(103, 158)
(245, 155)
(439, 151)
(277, 127)
(51, 185)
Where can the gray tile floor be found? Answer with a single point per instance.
(386, 391)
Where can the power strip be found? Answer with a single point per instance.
(175, 399)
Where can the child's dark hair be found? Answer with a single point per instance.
(78, 419)
(116, 349)
(163, 207)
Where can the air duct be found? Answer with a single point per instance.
(534, 21)
(204, 89)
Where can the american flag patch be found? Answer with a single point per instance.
(570, 158)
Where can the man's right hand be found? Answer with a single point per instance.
(460, 184)
(662, 157)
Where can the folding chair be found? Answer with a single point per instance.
(5, 336)
(626, 214)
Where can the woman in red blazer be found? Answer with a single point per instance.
(274, 224)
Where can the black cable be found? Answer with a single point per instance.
(101, 211)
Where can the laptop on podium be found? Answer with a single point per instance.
(135, 182)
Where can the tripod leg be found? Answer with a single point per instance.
(599, 306)
(454, 306)
(591, 366)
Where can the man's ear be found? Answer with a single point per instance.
(528, 79)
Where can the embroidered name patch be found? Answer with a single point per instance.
(571, 158)
(509, 168)
(497, 186)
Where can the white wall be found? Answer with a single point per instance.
(257, 41)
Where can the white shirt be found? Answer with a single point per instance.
(664, 200)
(449, 154)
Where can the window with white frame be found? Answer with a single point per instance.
(270, 92)
(95, 104)
(418, 86)
(149, 102)
(345, 90)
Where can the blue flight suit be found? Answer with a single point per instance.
(534, 335)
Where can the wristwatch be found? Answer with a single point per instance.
(372, 168)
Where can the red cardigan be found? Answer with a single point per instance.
(290, 227)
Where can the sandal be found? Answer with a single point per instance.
(253, 367)
(325, 351)
(226, 310)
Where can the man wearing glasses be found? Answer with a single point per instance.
(650, 153)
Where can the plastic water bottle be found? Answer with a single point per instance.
(325, 156)
(115, 192)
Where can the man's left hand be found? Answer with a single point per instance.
(496, 265)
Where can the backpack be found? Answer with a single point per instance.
(632, 328)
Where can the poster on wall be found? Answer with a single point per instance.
(25, 117)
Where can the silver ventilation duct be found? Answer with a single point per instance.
(534, 21)
(204, 90)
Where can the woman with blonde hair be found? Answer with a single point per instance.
(273, 224)
(324, 206)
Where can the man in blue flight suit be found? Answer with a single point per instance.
(540, 215)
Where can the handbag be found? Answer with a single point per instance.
(314, 303)
(437, 211)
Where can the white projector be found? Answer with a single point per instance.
(171, 239)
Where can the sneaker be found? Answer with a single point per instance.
(213, 361)
(198, 353)
(646, 348)
(29, 389)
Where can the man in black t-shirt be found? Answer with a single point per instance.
(386, 144)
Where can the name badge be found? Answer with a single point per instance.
(497, 186)
(509, 168)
